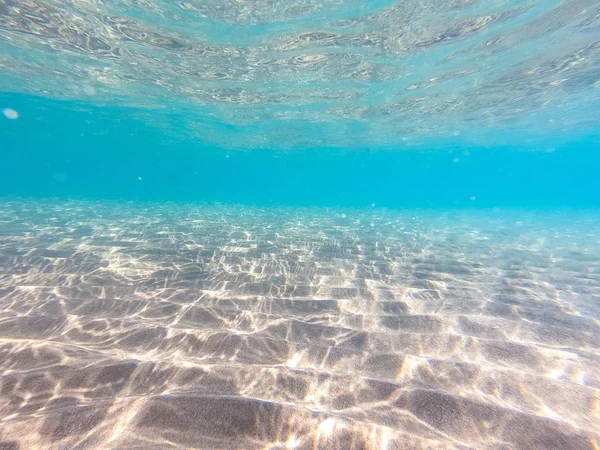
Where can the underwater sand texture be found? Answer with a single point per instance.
(170, 326)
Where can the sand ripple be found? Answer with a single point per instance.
(165, 326)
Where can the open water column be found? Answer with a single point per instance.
(309, 224)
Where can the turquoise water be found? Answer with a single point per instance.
(77, 149)
(300, 224)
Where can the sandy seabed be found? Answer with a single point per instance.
(166, 326)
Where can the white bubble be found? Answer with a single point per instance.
(139, 178)
(372, 224)
(373, 205)
(227, 156)
(343, 216)
(10, 113)
(473, 198)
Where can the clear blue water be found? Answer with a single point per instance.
(76, 149)
(300, 224)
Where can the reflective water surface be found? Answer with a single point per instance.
(289, 73)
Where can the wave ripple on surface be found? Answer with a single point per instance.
(306, 73)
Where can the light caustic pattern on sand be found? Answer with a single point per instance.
(131, 326)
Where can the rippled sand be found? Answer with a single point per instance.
(166, 326)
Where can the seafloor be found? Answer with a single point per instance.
(165, 326)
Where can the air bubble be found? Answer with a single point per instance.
(10, 113)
